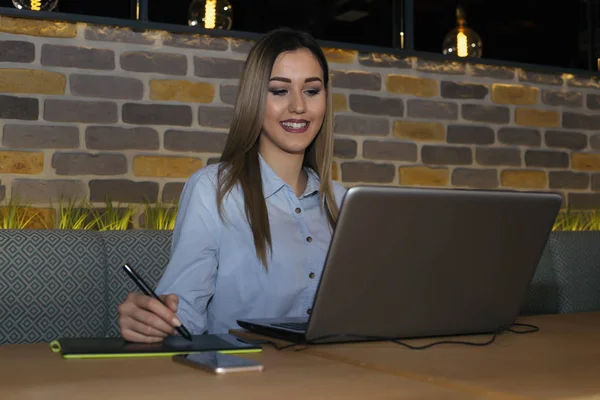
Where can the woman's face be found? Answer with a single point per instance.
(295, 105)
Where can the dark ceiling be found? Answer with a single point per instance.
(528, 31)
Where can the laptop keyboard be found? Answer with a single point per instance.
(297, 326)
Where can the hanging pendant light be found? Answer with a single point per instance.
(462, 41)
(35, 5)
(210, 14)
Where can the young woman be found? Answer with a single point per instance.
(252, 232)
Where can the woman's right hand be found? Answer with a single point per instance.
(146, 320)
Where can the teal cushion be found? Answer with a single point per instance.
(52, 284)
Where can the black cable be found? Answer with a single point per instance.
(532, 329)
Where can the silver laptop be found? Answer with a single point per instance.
(420, 262)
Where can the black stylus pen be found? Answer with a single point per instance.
(149, 292)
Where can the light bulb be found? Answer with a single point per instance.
(210, 14)
(35, 5)
(462, 41)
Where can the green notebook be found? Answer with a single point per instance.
(172, 345)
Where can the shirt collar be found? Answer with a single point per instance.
(272, 183)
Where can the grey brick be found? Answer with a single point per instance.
(112, 87)
(200, 42)
(520, 136)
(228, 93)
(345, 148)
(56, 55)
(366, 104)
(486, 113)
(368, 172)
(202, 142)
(581, 121)
(498, 156)
(566, 139)
(584, 82)
(161, 63)
(60, 110)
(213, 160)
(16, 51)
(493, 71)
(40, 136)
(461, 90)
(446, 155)
(2, 192)
(595, 141)
(117, 34)
(383, 60)
(361, 125)
(541, 78)
(43, 191)
(118, 138)
(226, 68)
(356, 80)
(568, 180)
(596, 182)
(123, 190)
(241, 45)
(592, 101)
(470, 134)
(432, 109)
(157, 114)
(89, 164)
(13, 107)
(560, 98)
(546, 158)
(172, 191)
(390, 150)
(215, 117)
(584, 201)
(475, 178)
(441, 67)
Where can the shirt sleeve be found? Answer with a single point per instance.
(192, 269)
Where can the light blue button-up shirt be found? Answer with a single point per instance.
(214, 268)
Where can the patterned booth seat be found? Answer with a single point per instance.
(62, 283)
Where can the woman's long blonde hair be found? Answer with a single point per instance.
(240, 162)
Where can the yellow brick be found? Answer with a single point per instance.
(424, 176)
(340, 56)
(169, 167)
(423, 87)
(31, 27)
(586, 161)
(420, 130)
(21, 162)
(340, 103)
(533, 117)
(180, 90)
(32, 81)
(523, 179)
(514, 94)
(31, 217)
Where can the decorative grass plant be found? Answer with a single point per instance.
(14, 215)
(577, 220)
(160, 215)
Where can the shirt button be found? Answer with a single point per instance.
(308, 311)
(309, 239)
(298, 210)
(311, 275)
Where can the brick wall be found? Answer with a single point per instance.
(96, 111)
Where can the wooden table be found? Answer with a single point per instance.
(561, 361)
(34, 372)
